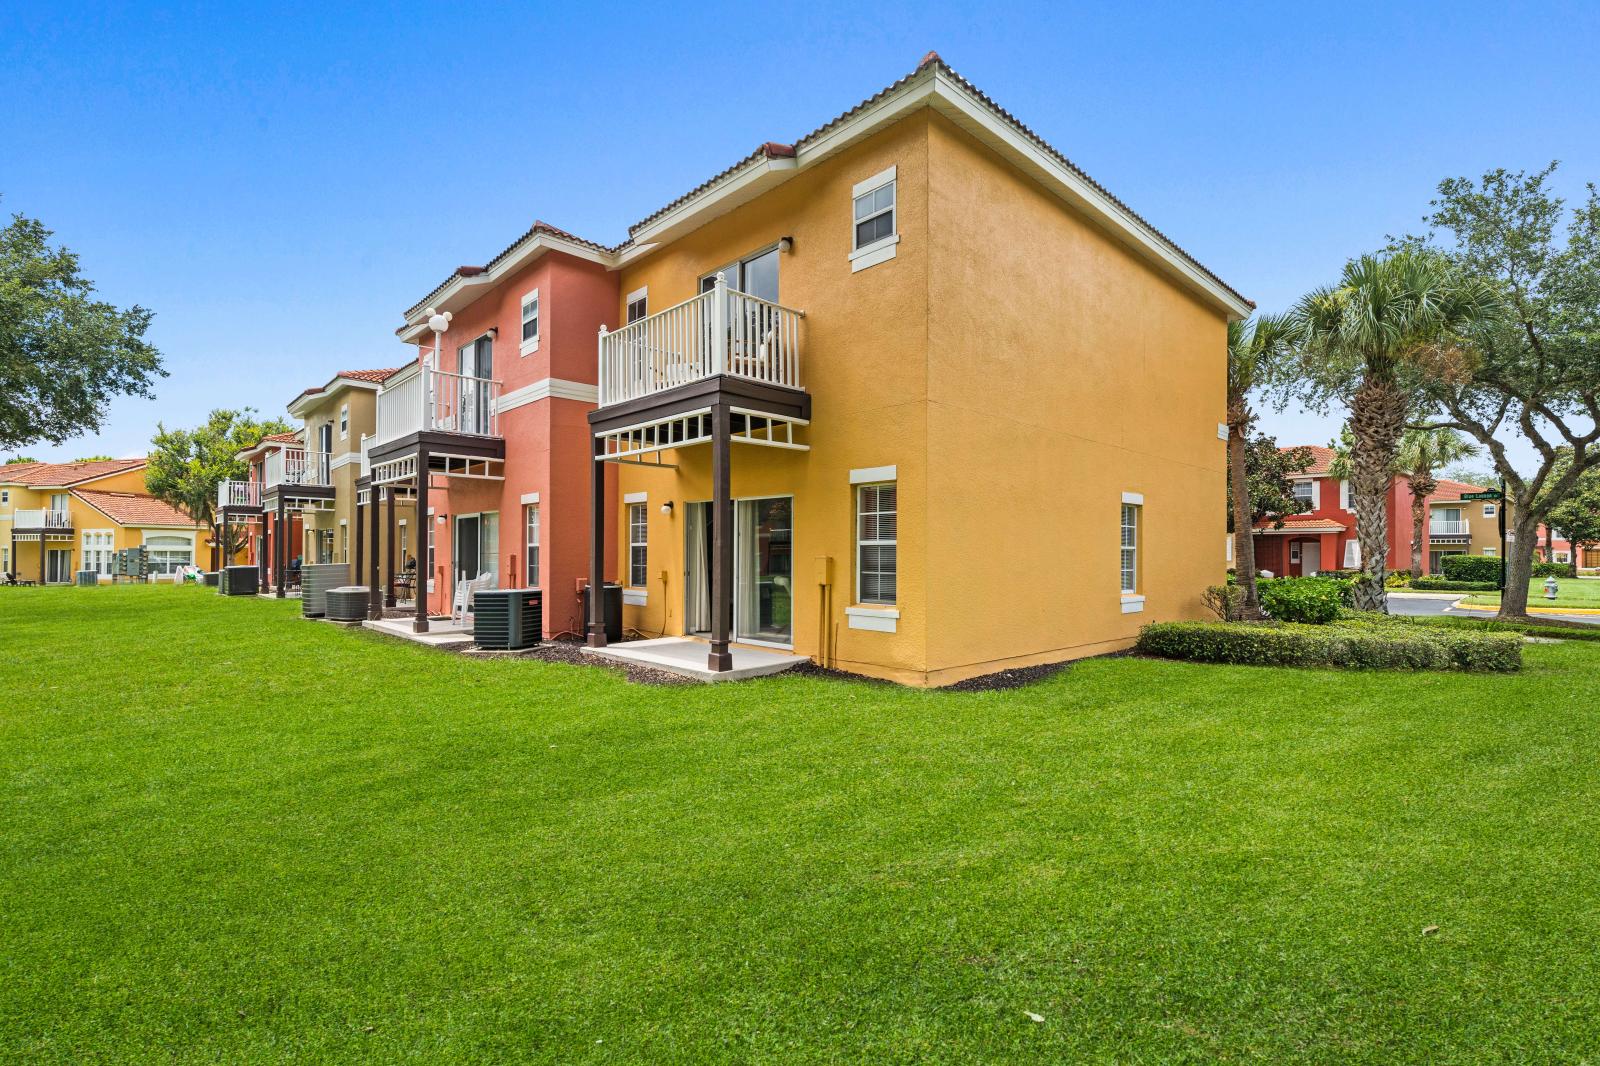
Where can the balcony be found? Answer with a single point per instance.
(437, 401)
(721, 331)
(38, 519)
(296, 467)
(1446, 528)
(238, 495)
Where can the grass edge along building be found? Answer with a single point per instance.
(912, 396)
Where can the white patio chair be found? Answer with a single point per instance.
(466, 590)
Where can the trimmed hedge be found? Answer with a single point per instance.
(1572, 631)
(1383, 644)
(1544, 570)
(1313, 600)
(1436, 584)
(1471, 568)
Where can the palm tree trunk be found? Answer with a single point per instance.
(1244, 545)
(1377, 418)
(1418, 517)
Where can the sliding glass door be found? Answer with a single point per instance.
(764, 570)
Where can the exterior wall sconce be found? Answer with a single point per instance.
(785, 245)
(666, 508)
(494, 333)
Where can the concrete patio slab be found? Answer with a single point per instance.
(687, 656)
(442, 633)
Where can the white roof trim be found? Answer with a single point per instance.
(458, 292)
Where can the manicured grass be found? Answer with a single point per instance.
(1571, 592)
(231, 835)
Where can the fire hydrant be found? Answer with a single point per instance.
(1550, 587)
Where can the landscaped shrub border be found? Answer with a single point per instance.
(1471, 568)
(1313, 600)
(1495, 625)
(1541, 571)
(1374, 643)
(1439, 584)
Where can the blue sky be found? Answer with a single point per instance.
(279, 185)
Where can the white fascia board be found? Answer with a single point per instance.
(738, 188)
(450, 298)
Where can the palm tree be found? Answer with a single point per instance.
(1253, 348)
(1390, 324)
(1422, 452)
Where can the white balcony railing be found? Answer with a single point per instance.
(1445, 528)
(239, 494)
(721, 331)
(36, 518)
(296, 466)
(437, 400)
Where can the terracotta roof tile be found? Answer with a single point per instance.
(63, 474)
(1321, 458)
(291, 437)
(1452, 490)
(370, 375)
(134, 508)
(1301, 524)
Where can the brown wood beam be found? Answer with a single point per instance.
(389, 563)
(721, 658)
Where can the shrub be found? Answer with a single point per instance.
(1224, 601)
(1381, 643)
(1471, 568)
(1311, 600)
(1569, 631)
(1436, 584)
(1544, 570)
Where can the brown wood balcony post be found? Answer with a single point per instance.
(721, 538)
(423, 528)
(597, 552)
(374, 590)
(361, 528)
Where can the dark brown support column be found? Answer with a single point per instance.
(223, 547)
(14, 560)
(361, 528)
(374, 590)
(721, 538)
(389, 570)
(423, 527)
(597, 553)
(41, 557)
(280, 557)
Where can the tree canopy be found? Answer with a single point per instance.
(63, 353)
(185, 466)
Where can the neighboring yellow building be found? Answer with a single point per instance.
(965, 407)
(59, 518)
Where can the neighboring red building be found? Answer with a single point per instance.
(505, 434)
(1324, 536)
(260, 544)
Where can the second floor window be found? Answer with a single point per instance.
(530, 320)
(344, 421)
(1305, 492)
(638, 305)
(874, 215)
(638, 541)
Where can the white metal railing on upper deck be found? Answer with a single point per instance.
(721, 331)
(1445, 528)
(239, 494)
(37, 518)
(437, 400)
(296, 466)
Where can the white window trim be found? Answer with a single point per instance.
(883, 249)
(868, 475)
(1132, 603)
(642, 293)
(631, 500)
(1222, 431)
(1489, 510)
(1135, 498)
(1132, 600)
(636, 597)
(855, 576)
(531, 345)
(636, 497)
(530, 497)
(876, 619)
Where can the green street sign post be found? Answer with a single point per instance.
(1490, 494)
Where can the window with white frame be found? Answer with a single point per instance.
(873, 234)
(98, 550)
(877, 550)
(1130, 548)
(1305, 491)
(5, 495)
(530, 322)
(1489, 551)
(638, 544)
(638, 304)
(344, 421)
(167, 553)
(1489, 510)
(530, 525)
(402, 544)
(344, 543)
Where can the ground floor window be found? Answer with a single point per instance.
(1130, 547)
(877, 550)
(99, 548)
(57, 566)
(530, 526)
(638, 545)
(168, 553)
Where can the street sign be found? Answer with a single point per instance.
(1491, 494)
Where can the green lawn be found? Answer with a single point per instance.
(1570, 592)
(230, 836)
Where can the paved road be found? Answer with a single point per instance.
(1428, 605)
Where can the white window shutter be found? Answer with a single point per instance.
(1344, 494)
(1352, 554)
(1316, 494)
